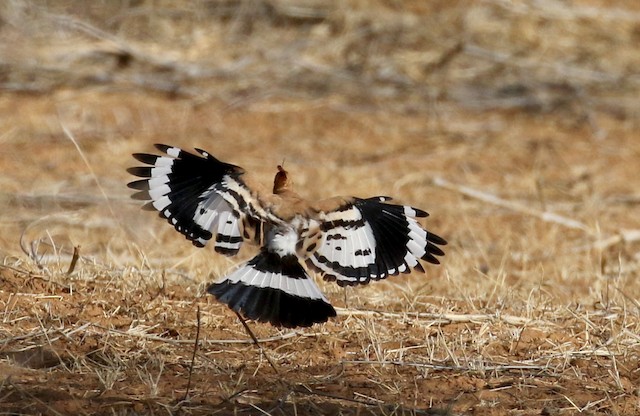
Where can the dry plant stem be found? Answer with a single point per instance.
(255, 341)
(624, 236)
(370, 402)
(514, 206)
(158, 338)
(503, 367)
(70, 136)
(312, 392)
(442, 318)
(193, 357)
(74, 260)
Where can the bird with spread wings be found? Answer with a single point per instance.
(348, 240)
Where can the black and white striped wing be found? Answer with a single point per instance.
(369, 239)
(202, 197)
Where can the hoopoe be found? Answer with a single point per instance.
(348, 240)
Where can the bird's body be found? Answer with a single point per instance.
(346, 239)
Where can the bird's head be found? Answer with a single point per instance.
(282, 182)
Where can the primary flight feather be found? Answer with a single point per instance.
(346, 239)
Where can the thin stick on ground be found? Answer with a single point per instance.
(444, 318)
(438, 367)
(255, 341)
(623, 236)
(74, 260)
(193, 357)
(504, 203)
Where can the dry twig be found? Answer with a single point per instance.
(498, 367)
(514, 206)
(442, 318)
(193, 357)
(74, 260)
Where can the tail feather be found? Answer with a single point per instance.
(275, 289)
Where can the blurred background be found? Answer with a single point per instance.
(532, 102)
(513, 123)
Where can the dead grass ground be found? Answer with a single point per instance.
(513, 123)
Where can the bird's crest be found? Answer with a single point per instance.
(281, 182)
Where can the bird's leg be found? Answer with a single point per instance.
(255, 341)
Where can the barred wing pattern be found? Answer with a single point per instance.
(370, 239)
(200, 196)
(348, 240)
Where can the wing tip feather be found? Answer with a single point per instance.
(436, 239)
(141, 196)
(140, 171)
(162, 147)
(139, 185)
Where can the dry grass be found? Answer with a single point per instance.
(513, 123)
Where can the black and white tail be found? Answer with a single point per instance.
(276, 289)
